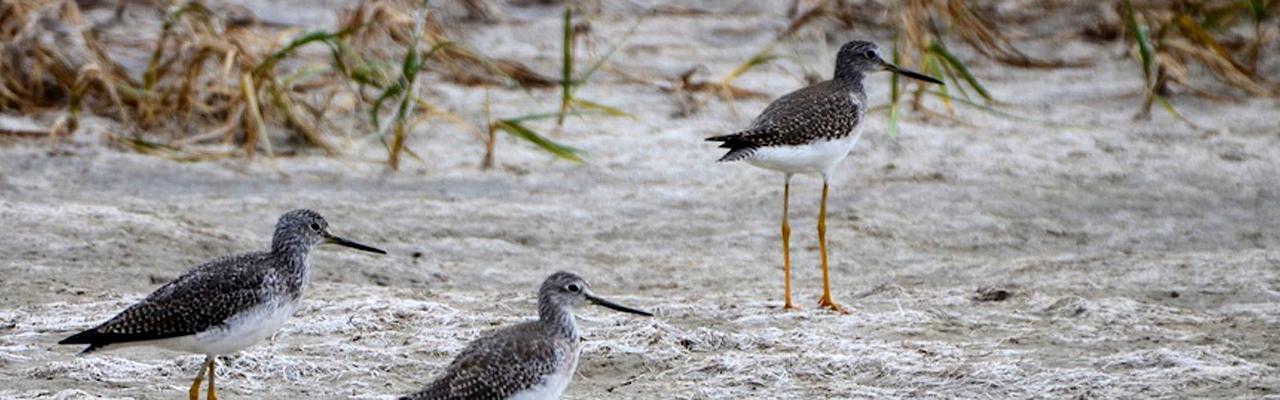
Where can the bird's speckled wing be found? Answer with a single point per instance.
(826, 110)
(496, 366)
(204, 297)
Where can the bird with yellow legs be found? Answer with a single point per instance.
(812, 130)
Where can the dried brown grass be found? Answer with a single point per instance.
(1190, 33)
(1190, 39)
(215, 88)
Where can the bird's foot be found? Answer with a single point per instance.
(829, 304)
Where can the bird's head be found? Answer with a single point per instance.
(305, 229)
(566, 290)
(861, 57)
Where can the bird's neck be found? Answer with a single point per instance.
(849, 76)
(851, 81)
(558, 319)
(293, 262)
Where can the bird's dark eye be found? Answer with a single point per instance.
(573, 288)
(315, 227)
(869, 54)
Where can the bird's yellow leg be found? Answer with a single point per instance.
(786, 247)
(194, 392)
(213, 364)
(826, 301)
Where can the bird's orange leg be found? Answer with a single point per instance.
(826, 301)
(213, 363)
(194, 392)
(786, 247)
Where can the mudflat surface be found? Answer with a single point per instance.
(1072, 253)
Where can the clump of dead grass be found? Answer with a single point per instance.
(923, 31)
(1177, 41)
(1170, 38)
(213, 87)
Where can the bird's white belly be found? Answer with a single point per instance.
(241, 331)
(819, 157)
(553, 385)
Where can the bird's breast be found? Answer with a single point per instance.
(553, 385)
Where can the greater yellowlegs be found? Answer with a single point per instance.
(225, 305)
(810, 131)
(534, 360)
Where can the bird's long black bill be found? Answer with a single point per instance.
(911, 74)
(615, 306)
(344, 242)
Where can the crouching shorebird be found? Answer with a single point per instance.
(225, 305)
(810, 131)
(532, 361)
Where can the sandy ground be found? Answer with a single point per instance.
(1142, 260)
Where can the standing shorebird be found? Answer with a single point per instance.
(810, 131)
(225, 305)
(531, 361)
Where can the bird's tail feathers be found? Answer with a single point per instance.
(737, 154)
(738, 148)
(91, 337)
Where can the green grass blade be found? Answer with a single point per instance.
(763, 57)
(941, 51)
(607, 110)
(408, 73)
(391, 91)
(371, 73)
(297, 42)
(1146, 52)
(356, 67)
(549, 115)
(895, 94)
(566, 65)
(951, 75)
(515, 128)
(1257, 10)
(1004, 114)
(566, 51)
(333, 39)
(937, 68)
(408, 81)
(1164, 103)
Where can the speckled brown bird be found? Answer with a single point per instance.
(812, 130)
(534, 360)
(225, 305)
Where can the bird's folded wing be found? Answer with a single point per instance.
(802, 116)
(495, 367)
(203, 298)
